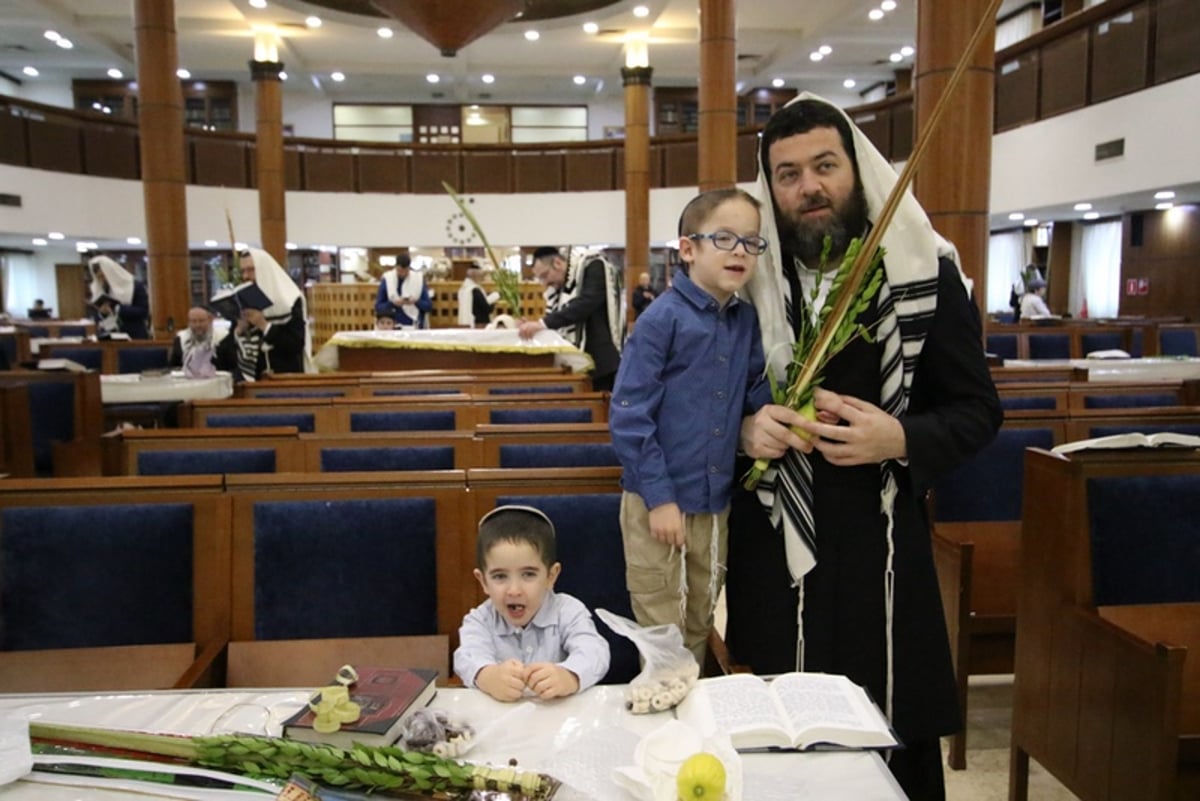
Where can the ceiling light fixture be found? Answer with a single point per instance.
(53, 36)
(115, 73)
(874, 15)
(487, 77)
(1092, 215)
(65, 44)
(289, 245)
(258, 3)
(313, 22)
(1017, 215)
(1164, 205)
(37, 240)
(849, 83)
(1165, 194)
(385, 33)
(777, 83)
(888, 5)
(815, 55)
(282, 75)
(184, 73)
(906, 51)
(32, 72)
(55, 235)
(579, 80)
(895, 58)
(591, 28)
(210, 243)
(1083, 207)
(133, 240)
(824, 50)
(433, 77)
(641, 11)
(338, 76)
(532, 36)
(1030, 223)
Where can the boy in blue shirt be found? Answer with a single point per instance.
(692, 369)
(525, 636)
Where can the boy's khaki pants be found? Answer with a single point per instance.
(653, 572)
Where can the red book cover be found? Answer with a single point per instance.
(387, 698)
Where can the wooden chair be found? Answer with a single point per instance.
(66, 420)
(1107, 690)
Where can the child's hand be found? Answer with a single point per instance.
(504, 681)
(550, 681)
(666, 524)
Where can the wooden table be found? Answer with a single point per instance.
(444, 349)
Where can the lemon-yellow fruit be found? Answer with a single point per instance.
(701, 775)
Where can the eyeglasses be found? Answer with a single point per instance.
(726, 240)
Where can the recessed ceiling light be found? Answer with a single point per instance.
(258, 3)
(825, 50)
(65, 44)
(1083, 207)
(1166, 194)
(32, 72)
(487, 77)
(115, 73)
(579, 80)
(433, 77)
(53, 36)
(210, 243)
(532, 36)
(1164, 206)
(875, 15)
(1030, 223)
(888, 5)
(37, 240)
(641, 11)
(283, 75)
(338, 76)
(906, 51)
(849, 83)
(385, 33)
(133, 240)
(1017, 215)
(55, 235)
(895, 57)
(815, 55)
(591, 28)
(313, 21)
(184, 73)
(290, 245)
(1092, 215)
(777, 83)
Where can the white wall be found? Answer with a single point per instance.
(40, 90)
(32, 275)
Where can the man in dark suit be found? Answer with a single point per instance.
(584, 301)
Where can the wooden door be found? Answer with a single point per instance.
(72, 283)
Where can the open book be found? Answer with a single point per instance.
(791, 711)
(1133, 439)
(229, 302)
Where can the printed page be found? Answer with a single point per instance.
(829, 704)
(739, 705)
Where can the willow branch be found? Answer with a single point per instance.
(462, 206)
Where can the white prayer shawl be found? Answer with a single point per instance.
(413, 283)
(614, 295)
(120, 281)
(277, 285)
(466, 303)
(911, 271)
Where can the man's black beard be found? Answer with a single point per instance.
(806, 241)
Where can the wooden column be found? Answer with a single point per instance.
(268, 148)
(164, 171)
(954, 180)
(637, 175)
(717, 149)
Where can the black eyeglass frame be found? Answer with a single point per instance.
(753, 245)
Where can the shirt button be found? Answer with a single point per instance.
(716, 432)
(720, 393)
(712, 469)
(722, 358)
(624, 403)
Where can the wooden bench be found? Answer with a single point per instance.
(113, 356)
(192, 451)
(492, 440)
(66, 420)
(394, 450)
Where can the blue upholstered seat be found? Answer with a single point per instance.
(395, 457)
(345, 568)
(206, 462)
(1011, 403)
(91, 358)
(136, 360)
(1145, 532)
(72, 331)
(89, 576)
(1108, 340)
(301, 393)
(1177, 342)
(52, 417)
(402, 421)
(1049, 346)
(38, 332)
(1003, 345)
(583, 454)
(989, 486)
(593, 558)
(527, 390)
(527, 416)
(303, 422)
(414, 391)
(1129, 401)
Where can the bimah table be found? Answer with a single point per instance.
(447, 349)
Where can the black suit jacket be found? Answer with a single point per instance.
(589, 308)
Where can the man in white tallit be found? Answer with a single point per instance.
(403, 295)
(585, 302)
(120, 302)
(474, 305)
(194, 349)
(275, 339)
(830, 567)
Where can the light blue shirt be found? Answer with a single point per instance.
(562, 632)
(691, 371)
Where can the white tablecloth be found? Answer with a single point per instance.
(135, 388)
(578, 740)
(496, 340)
(1144, 370)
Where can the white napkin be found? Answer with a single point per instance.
(16, 757)
(660, 754)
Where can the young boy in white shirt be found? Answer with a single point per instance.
(525, 637)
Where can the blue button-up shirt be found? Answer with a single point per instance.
(690, 372)
(562, 632)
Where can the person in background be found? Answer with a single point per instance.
(194, 349)
(1033, 302)
(692, 369)
(385, 322)
(274, 340)
(643, 294)
(525, 636)
(474, 306)
(585, 302)
(403, 294)
(119, 301)
(835, 537)
(39, 310)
